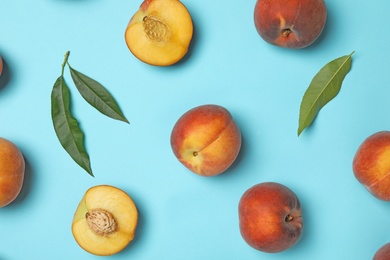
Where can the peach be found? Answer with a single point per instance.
(1, 65)
(105, 220)
(290, 23)
(371, 164)
(270, 217)
(160, 32)
(383, 253)
(206, 140)
(12, 168)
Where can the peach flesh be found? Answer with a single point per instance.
(270, 217)
(160, 32)
(12, 168)
(206, 140)
(105, 220)
(290, 23)
(371, 164)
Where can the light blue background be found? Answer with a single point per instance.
(182, 215)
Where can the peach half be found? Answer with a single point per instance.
(105, 220)
(160, 32)
(206, 140)
(12, 168)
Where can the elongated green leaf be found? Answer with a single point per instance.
(325, 85)
(96, 95)
(66, 126)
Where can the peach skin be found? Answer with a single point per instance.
(206, 140)
(270, 217)
(12, 168)
(1, 65)
(383, 253)
(290, 23)
(371, 164)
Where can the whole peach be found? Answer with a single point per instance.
(206, 140)
(383, 253)
(11, 172)
(270, 217)
(371, 164)
(290, 23)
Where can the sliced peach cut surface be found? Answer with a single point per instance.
(105, 220)
(160, 32)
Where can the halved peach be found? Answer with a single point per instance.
(160, 32)
(105, 220)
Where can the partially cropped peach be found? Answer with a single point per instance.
(12, 167)
(206, 140)
(290, 23)
(383, 253)
(105, 220)
(270, 217)
(160, 32)
(371, 164)
(1, 65)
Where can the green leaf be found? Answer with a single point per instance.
(325, 85)
(96, 95)
(66, 126)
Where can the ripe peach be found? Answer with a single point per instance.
(12, 167)
(383, 253)
(371, 164)
(105, 220)
(160, 32)
(206, 140)
(270, 217)
(290, 23)
(1, 65)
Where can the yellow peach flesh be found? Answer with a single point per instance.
(122, 208)
(160, 32)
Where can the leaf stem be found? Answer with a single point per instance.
(65, 62)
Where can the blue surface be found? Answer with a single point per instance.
(182, 215)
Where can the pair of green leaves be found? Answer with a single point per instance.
(325, 85)
(66, 125)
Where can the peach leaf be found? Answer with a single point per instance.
(325, 86)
